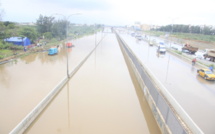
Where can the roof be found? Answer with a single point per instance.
(52, 48)
(15, 39)
(206, 69)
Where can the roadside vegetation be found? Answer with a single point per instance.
(188, 32)
(186, 36)
(47, 30)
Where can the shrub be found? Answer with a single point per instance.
(1, 56)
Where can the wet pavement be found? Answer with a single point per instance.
(27, 80)
(101, 98)
(194, 94)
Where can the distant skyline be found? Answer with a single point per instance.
(114, 12)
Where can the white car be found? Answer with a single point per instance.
(200, 54)
(161, 48)
(176, 47)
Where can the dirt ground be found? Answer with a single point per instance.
(202, 45)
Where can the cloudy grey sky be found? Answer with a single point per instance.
(114, 12)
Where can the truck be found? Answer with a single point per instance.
(190, 48)
(210, 53)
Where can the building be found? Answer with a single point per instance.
(145, 27)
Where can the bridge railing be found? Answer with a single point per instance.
(168, 113)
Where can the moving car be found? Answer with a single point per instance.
(150, 43)
(161, 48)
(139, 37)
(53, 51)
(206, 74)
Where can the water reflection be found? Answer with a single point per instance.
(4, 77)
(150, 120)
(34, 76)
(29, 59)
(68, 105)
(192, 69)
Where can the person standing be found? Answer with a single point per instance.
(211, 68)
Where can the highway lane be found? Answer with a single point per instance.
(100, 98)
(194, 94)
(27, 80)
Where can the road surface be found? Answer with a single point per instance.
(194, 94)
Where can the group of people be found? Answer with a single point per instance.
(194, 62)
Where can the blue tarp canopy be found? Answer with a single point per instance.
(18, 41)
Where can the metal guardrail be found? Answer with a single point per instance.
(26, 122)
(171, 115)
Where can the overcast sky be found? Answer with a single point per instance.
(114, 12)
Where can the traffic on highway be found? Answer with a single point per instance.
(195, 94)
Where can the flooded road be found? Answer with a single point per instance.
(101, 98)
(26, 81)
(194, 94)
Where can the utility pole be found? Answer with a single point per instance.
(66, 18)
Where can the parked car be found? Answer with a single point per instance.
(176, 47)
(206, 74)
(185, 51)
(200, 54)
(150, 43)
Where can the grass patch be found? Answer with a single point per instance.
(155, 33)
(198, 37)
(5, 53)
(186, 36)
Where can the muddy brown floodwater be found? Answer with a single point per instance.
(26, 81)
(101, 98)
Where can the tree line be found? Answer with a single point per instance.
(206, 30)
(49, 27)
(46, 26)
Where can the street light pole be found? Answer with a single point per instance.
(67, 58)
(95, 34)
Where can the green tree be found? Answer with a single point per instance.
(48, 35)
(207, 30)
(185, 29)
(2, 30)
(60, 28)
(195, 29)
(30, 33)
(11, 26)
(44, 24)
